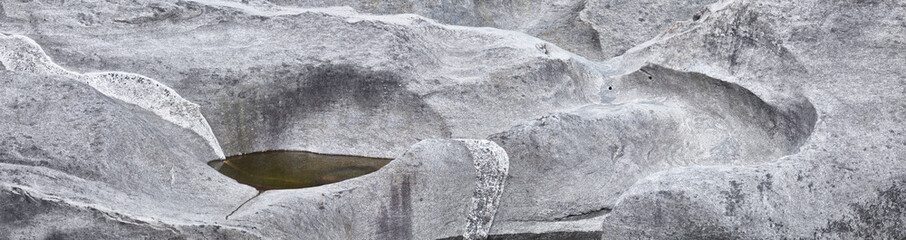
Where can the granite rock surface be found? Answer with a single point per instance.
(595, 29)
(596, 119)
(847, 59)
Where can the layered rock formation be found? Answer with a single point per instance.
(847, 59)
(595, 29)
(667, 119)
(368, 85)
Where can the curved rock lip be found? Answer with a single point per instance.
(20, 53)
(651, 120)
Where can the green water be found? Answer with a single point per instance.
(294, 169)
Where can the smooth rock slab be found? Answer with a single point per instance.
(323, 80)
(595, 29)
(20, 53)
(106, 188)
(847, 59)
(437, 189)
(67, 151)
(824, 80)
(572, 164)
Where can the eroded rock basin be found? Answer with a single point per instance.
(294, 169)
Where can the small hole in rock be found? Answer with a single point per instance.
(610, 88)
(294, 169)
(696, 17)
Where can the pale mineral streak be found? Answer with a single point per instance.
(491, 166)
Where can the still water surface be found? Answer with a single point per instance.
(294, 169)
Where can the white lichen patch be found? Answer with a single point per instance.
(492, 166)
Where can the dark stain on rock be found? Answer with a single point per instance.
(659, 212)
(733, 198)
(19, 210)
(158, 12)
(767, 184)
(746, 31)
(396, 218)
(590, 235)
(56, 235)
(789, 126)
(878, 218)
(271, 102)
(319, 87)
(678, 206)
(664, 215)
(322, 88)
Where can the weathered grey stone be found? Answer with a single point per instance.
(595, 29)
(76, 162)
(26, 216)
(567, 165)
(19, 53)
(129, 179)
(621, 25)
(326, 80)
(847, 58)
(437, 189)
(556, 21)
(748, 119)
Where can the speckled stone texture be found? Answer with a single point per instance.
(560, 119)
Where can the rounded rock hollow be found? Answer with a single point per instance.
(294, 169)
